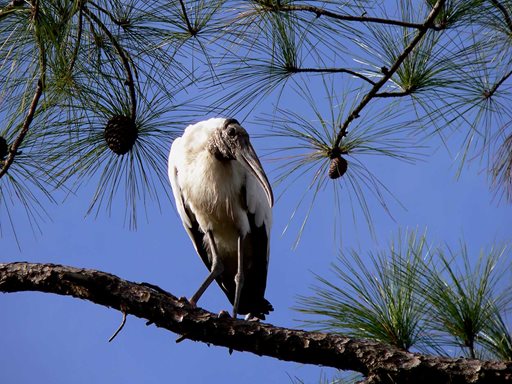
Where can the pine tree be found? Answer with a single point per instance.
(92, 92)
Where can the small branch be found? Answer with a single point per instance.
(124, 59)
(78, 38)
(363, 19)
(13, 150)
(493, 90)
(191, 29)
(332, 70)
(505, 13)
(393, 94)
(11, 9)
(389, 72)
(101, 9)
(382, 363)
(121, 326)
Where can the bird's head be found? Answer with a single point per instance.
(230, 141)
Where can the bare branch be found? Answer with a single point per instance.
(13, 150)
(393, 94)
(121, 326)
(332, 70)
(363, 19)
(381, 363)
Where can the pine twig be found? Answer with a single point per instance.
(122, 55)
(78, 38)
(505, 13)
(493, 90)
(121, 326)
(191, 29)
(363, 19)
(389, 73)
(13, 150)
(331, 70)
(393, 94)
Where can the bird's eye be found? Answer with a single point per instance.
(231, 131)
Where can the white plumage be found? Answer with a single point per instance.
(224, 200)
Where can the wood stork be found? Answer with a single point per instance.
(224, 200)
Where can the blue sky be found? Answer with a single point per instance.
(54, 339)
(60, 340)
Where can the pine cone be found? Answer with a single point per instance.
(338, 167)
(120, 134)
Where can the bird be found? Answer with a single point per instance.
(224, 200)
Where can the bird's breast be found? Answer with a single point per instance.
(213, 191)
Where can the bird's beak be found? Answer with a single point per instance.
(248, 158)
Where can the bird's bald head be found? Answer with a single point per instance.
(228, 139)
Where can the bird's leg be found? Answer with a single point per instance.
(217, 269)
(239, 278)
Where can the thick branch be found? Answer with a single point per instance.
(381, 363)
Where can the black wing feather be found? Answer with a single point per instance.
(197, 237)
(255, 248)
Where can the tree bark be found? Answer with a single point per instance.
(378, 362)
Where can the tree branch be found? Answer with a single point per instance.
(332, 70)
(324, 12)
(190, 28)
(13, 149)
(489, 93)
(122, 55)
(393, 94)
(76, 50)
(375, 89)
(380, 363)
(504, 12)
